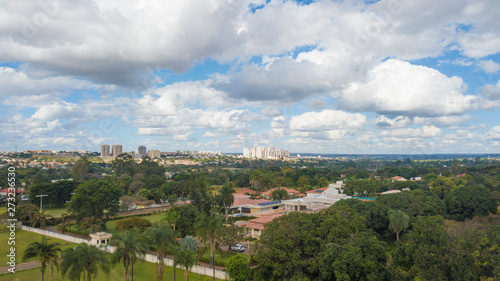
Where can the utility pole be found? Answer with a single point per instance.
(41, 199)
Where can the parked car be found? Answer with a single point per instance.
(238, 248)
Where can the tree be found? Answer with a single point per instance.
(133, 222)
(376, 215)
(256, 179)
(84, 260)
(323, 182)
(130, 245)
(209, 228)
(360, 257)
(81, 168)
(186, 255)
(93, 197)
(469, 201)
(26, 212)
(279, 194)
(172, 217)
(424, 256)
(46, 253)
(63, 220)
(398, 221)
(231, 234)
(237, 268)
(40, 218)
(92, 223)
(162, 237)
(226, 197)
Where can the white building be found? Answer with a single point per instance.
(316, 202)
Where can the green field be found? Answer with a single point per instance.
(142, 270)
(23, 238)
(55, 212)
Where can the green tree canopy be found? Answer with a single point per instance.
(93, 197)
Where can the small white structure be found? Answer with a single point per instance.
(100, 238)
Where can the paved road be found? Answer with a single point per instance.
(20, 266)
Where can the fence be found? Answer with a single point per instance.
(202, 270)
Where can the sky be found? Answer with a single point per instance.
(389, 76)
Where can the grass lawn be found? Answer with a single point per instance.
(23, 238)
(56, 212)
(142, 270)
(110, 225)
(3, 210)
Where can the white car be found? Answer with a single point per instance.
(238, 248)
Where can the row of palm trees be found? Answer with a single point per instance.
(86, 260)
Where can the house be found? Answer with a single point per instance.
(256, 226)
(5, 191)
(292, 193)
(312, 193)
(398, 178)
(316, 201)
(250, 206)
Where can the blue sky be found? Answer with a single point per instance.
(309, 76)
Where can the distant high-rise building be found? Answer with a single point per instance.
(247, 153)
(265, 153)
(154, 153)
(142, 150)
(105, 150)
(117, 149)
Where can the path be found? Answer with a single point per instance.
(20, 266)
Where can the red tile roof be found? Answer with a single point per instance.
(6, 190)
(258, 223)
(288, 190)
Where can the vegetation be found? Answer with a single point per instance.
(84, 260)
(46, 253)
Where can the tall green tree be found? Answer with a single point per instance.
(209, 228)
(162, 238)
(226, 197)
(469, 201)
(94, 198)
(186, 255)
(279, 194)
(172, 217)
(129, 246)
(84, 260)
(81, 168)
(46, 253)
(237, 268)
(398, 221)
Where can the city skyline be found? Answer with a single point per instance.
(418, 77)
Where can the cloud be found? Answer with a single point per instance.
(491, 92)
(423, 132)
(489, 66)
(399, 88)
(494, 133)
(327, 120)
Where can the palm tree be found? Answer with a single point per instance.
(172, 217)
(63, 220)
(40, 218)
(129, 246)
(186, 255)
(398, 221)
(162, 237)
(256, 179)
(226, 195)
(91, 223)
(209, 228)
(46, 253)
(84, 259)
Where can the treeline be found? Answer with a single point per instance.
(355, 240)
